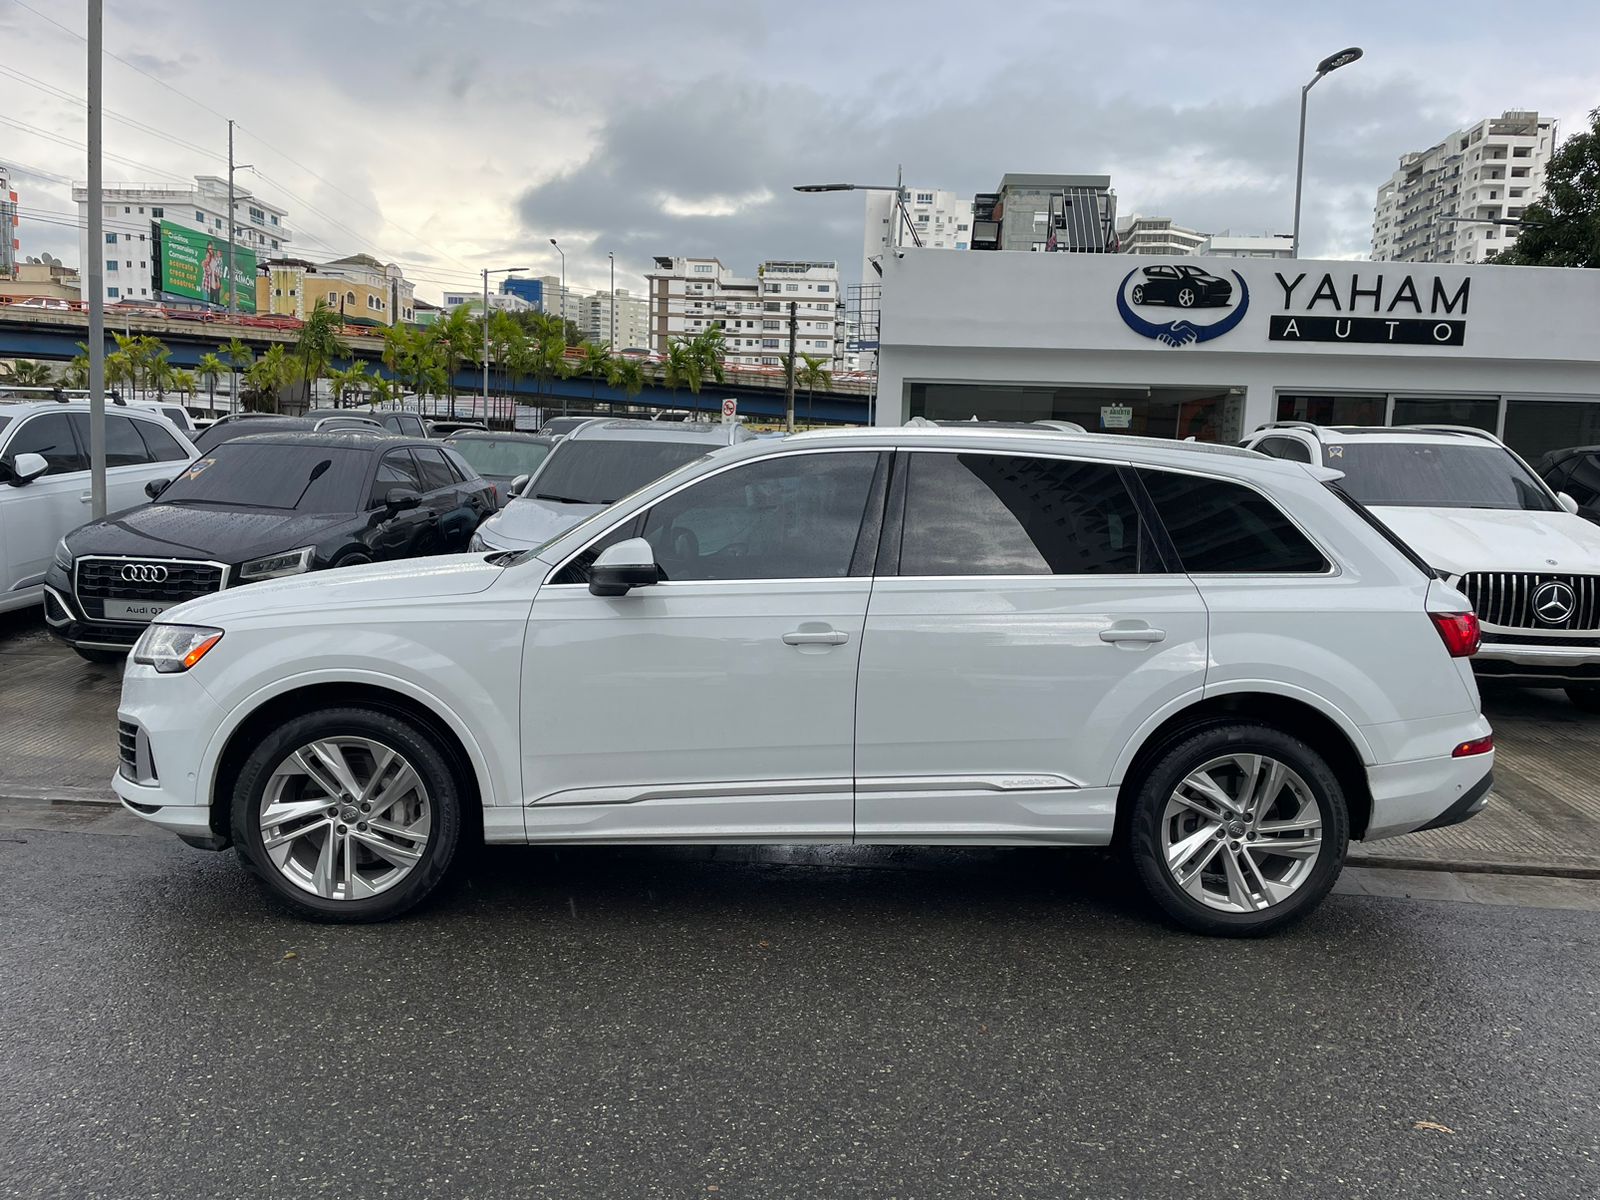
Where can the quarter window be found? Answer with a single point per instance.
(49, 435)
(436, 473)
(162, 446)
(395, 471)
(1285, 448)
(1228, 529)
(991, 514)
(794, 517)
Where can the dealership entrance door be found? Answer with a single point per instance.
(1207, 414)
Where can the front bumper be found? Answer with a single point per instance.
(1553, 665)
(66, 622)
(173, 718)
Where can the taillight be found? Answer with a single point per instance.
(1459, 632)
(1476, 746)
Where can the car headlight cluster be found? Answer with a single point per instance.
(63, 555)
(477, 543)
(273, 566)
(173, 648)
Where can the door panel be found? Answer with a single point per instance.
(993, 709)
(683, 715)
(39, 513)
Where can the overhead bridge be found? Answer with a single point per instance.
(54, 335)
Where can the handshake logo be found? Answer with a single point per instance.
(1183, 331)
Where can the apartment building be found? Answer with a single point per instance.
(9, 242)
(691, 295)
(1440, 205)
(1052, 213)
(362, 289)
(1232, 245)
(1157, 235)
(132, 215)
(942, 220)
(631, 330)
(473, 298)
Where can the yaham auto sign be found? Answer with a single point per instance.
(1374, 310)
(194, 263)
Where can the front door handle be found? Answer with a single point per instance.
(86, 497)
(816, 637)
(1118, 633)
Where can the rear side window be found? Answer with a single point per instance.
(395, 470)
(50, 435)
(1222, 528)
(1286, 448)
(993, 514)
(124, 446)
(436, 473)
(163, 447)
(459, 465)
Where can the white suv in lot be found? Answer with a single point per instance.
(45, 486)
(924, 636)
(1488, 524)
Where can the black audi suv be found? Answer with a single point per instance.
(253, 508)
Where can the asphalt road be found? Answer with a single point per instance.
(862, 1023)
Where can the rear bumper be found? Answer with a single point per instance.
(1552, 666)
(1427, 793)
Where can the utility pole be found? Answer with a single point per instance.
(486, 347)
(97, 281)
(611, 254)
(788, 383)
(233, 296)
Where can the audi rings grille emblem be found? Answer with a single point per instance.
(1554, 602)
(144, 573)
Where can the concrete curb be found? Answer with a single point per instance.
(61, 795)
(1472, 867)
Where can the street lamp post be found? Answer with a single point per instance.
(1332, 63)
(562, 305)
(488, 271)
(611, 254)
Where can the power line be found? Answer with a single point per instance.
(63, 94)
(72, 145)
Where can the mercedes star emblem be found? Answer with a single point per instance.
(1554, 602)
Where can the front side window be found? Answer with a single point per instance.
(162, 446)
(395, 470)
(999, 514)
(436, 473)
(49, 435)
(1218, 527)
(793, 517)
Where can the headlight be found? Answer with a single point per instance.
(271, 566)
(63, 555)
(173, 648)
(477, 543)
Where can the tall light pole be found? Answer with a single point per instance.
(488, 271)
(97, 282)
(563, 307)
(1332, 63)
(611, 254)
(898, 188)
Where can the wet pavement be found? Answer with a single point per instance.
(865, 1022)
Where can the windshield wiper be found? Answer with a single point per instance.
(561, 499)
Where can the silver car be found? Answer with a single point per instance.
(596, 465)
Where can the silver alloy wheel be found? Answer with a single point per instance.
(1241, 833)
(345, 818)
(1186, 298)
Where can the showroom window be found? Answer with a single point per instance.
(1535, 427)
(1225, 528)
(997, 514)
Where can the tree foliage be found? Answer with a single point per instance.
(1562, 227)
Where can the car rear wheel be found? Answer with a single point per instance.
(348, 814)
(354, 558)
(1585, 697)
(1238, 829)
(1138, 293)
(104, 657)
(1186, 297)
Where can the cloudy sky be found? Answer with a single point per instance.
(453, 134)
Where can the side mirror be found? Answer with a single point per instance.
(623, 567)
(398, 499)
(1567, 502)
(28, 467)
(155, 487)
(517, 484)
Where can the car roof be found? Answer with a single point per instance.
(359, 439)
(1381, 433)
(147, 411)
(711, 433)
(520, 435)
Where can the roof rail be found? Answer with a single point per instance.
(1470, 430)
(1287, 425)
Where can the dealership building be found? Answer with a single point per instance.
(1213, 348)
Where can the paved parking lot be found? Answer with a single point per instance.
(57, 741)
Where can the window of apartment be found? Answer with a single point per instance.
(142, 292)
(769, 362)
(158, 212)
(126, 209)
(769, 343)
(141, 237)
(257, 215)
(791, 287)
(824, 287)
(274, 245)
(1519, 172)
(772, 287)
(111, 264)
(274, 220)
(772, 306)
(924, 197)
(111, 239)
(702, 268)
(1517, 193)
(769, 324)
(1522, 152)
(113, 292)
(143, 265)
(961, 228)
(199, 216)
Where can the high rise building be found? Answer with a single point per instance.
(1229, 245)
(133, 210)
(1157, 235)
(1066, 213)
(942, 219)
(1439, 206)
(691, 295)
(9, 244)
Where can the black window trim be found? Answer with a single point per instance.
(1159, 538)
(1333, 568)
(72, 432)
(638, 513)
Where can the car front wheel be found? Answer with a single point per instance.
(1238, 829)
(1585, 697)
(1186, 298)
(348, 814)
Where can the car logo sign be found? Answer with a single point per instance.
(1554, 602)
(144, 573)
(1188, 289)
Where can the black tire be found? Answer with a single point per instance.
(351, 558)
(106, 658)
(1172, 765)
(1138, 293)
(433, 767)
(1585, 697)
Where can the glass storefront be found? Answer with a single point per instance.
(1207, 414)
(1480, 412)
(1332, 410)
(1535, 427)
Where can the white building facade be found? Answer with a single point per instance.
(131, 209)
(498, 301)
(942, 219)
(1157, 235)
(1426, 211)
(631, 330)
(1095, 339)
(688, 296)
(1228, 245)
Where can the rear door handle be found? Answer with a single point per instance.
(1144, 634)
(86, 497)
(825, 637)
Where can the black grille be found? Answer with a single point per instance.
(128, 748)
(101, 579)
(1506, 599)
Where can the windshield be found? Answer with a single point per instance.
(223, 431)
(602, 472)
(1436, 475)
(266, 475)
(508, 457)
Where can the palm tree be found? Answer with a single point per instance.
(380, 390)
(596, 364)
(319, 344)
(458, 338)
(26, 373)
(238, 356)
(183, 382)
(78, 368)
(682, 366)
(628, 375)
(269, 376)
(709, 349)
(209, 368)
(813, 373)
(352, 379)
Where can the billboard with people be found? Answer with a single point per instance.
(194, 263)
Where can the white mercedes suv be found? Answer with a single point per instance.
(1486, 522)
(924, 636)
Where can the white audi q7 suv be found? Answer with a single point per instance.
(930, 636)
